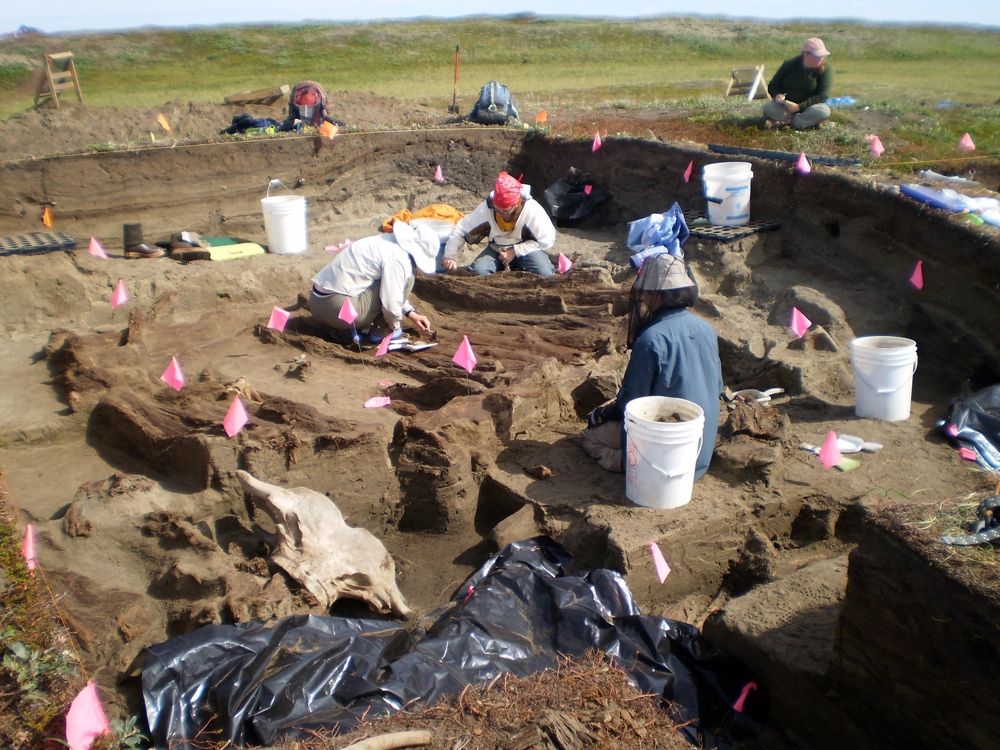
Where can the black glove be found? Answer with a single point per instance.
(601, 414)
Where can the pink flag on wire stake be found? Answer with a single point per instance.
(383, 346)
(376, 402)
(875, 144)
(28, 547)
(659, 563)
(689, 171)
(236, 418)
(917, 277)
(829, 453)
(741, 701)
(96, 249)
(564, 264)
(173, 375)
(597, 142)
(464, 357)
(438, 175)
(85, 720)
(965, 143)
(385, 384)
(799, 324)
(588, 189)
(347, 312)
(802, 165)
(279, 318)
(120, 295)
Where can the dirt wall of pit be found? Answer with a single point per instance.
(835, 224)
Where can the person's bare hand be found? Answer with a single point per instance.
(450, 264)
(507, 255)
(779, 98)
(792, 106)
(420, 321)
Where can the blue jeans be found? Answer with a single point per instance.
(488, 262)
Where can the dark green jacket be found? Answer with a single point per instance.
(799, 85)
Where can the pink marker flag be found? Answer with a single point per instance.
(85, 720)
(347, 312)
(236, 418)
(965, 143)
(597, 142)
(875, 144)
(688, 171)
(173, 375)
(385, 384)
(383, 345)
(279, 318)
(659, 563)
(588, 189)
(464, 357)
(564, 264)
(741, 701)
(438, 175)
(968, 454)
(829, 453)
(376, 402)
(96, 249)
(917, 277)
(120, 295)
(28, 547)
(800, 323)
(802, 165)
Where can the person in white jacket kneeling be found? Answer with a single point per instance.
(520, 232)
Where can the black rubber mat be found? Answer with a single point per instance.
(724, 234)
(35, 242)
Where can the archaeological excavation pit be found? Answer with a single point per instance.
(804, 574)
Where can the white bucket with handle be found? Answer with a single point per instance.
(664, 437)
(727, 192)
(883, 376)
(284, 222)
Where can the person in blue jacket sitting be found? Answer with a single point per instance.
(674, 353)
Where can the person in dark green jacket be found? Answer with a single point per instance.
(799, 89)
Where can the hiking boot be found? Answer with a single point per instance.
(134, 245)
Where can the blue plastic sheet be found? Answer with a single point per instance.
(656, 234)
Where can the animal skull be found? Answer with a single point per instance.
(320, 551)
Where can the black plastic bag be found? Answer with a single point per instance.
(517, 614)
(574, 197)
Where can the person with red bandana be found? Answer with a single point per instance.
(519, 231)
(307, 105)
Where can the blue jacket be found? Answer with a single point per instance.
(677, 354)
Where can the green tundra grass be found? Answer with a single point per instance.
(903, 72)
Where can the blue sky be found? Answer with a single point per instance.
(77, 15)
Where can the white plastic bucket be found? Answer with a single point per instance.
(661, 452)
(727, 192)
(285, 224)
(883, 376)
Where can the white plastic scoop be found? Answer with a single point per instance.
(761, 397)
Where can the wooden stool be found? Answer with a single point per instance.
(59, 75)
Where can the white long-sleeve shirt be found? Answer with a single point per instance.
(540, 234)
(358, 266)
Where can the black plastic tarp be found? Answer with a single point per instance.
(517, 614)
(574, 197)
(974, 422)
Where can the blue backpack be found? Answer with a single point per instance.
(495, 105)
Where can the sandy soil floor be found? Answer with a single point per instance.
(143, 528)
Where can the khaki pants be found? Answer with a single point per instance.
(367, 304)
(809, 117)
(604, 443)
